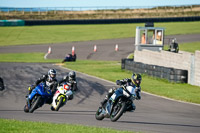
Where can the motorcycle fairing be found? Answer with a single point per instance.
(41, 91)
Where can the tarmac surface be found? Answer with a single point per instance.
(153, 114)
(84, 50)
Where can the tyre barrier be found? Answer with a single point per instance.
(171, 74)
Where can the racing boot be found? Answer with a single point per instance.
(132, 108)
(26, 109)
(30, 89)
(52, 108)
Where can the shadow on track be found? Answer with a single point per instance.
(81, 113)
(86, 88)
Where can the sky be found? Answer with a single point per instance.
(92, 3)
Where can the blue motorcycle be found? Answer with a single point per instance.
(38, 97)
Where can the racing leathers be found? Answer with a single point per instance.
(48, 81)
(118, 91)
(72, 83)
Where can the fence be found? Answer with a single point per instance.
(71, 13)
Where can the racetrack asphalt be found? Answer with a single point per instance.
(84, 50)
(153, 114)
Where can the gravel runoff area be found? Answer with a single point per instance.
(85, 50)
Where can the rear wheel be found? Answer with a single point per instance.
(35, 103)
(99, 115)
(118, 110)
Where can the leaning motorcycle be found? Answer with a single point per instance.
(38, 97)
(114, 110)
(61, 96)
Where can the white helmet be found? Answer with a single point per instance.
(52, 73)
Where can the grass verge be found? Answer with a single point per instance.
(42, 127)
(69, 33)
(188, 47)
(26, 57)
(111, 70)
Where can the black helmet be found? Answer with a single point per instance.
(52, 73)
(72, 75)
(136, 79)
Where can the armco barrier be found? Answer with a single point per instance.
(171, 74)
(109, 21)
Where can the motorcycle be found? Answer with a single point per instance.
(38, 97)
(61, 96)
(114, 109)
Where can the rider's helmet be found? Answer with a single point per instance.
(52, 74)
(174, 40)
(136, 79)
(72, 75)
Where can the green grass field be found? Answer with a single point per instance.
(26, 57)
(16, 126)
(69, 33)
(190, 47)
(111, 70)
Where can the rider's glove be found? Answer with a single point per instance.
(137, 92)
(126, 80)
(118, 82)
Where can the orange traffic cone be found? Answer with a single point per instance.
(73, 51)
(49, 50)
(95, 48)
(116, 47)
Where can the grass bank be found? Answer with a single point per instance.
(111, 70)
(188, 47)
(69, 33)
(17, 126)
(26, 57)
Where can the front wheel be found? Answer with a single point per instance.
(99, 115)
(59, 102)
(118, 110)
(35, 103)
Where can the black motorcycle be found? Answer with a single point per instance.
(114, 110)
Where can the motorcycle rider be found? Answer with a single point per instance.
(70, 78)
(134, 82)
(49, 80)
